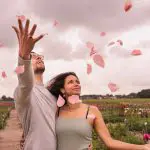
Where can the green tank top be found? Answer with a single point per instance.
(73, 133)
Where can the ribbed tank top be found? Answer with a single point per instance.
(73, 133)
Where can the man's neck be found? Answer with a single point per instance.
(38, 78)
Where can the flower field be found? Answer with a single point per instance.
(128, 120)
(5, 108)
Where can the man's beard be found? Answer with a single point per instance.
(39, 70)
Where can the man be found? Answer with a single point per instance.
(35, 105)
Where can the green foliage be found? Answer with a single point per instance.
(4, 114)
(119, 132)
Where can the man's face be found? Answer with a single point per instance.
(38, 63)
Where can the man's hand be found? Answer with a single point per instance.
(25, 38)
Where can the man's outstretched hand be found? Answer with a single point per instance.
(25, 38)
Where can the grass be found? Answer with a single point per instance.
(4, 114)
(117, 101)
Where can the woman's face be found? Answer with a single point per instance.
(72, 86)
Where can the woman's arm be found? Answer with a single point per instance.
(104, 134)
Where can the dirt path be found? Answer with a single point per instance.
(11, 135)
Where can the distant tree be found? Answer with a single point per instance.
(144, 93)
(3, 98)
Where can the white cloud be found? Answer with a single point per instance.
(64, 47)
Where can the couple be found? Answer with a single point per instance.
(53, 117)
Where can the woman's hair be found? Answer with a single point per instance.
(57, 83)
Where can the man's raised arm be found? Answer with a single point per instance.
(26, 45)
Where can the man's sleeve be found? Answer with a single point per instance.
(22, 94)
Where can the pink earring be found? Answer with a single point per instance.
(60, 101)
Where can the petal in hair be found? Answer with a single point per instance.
(60, 101)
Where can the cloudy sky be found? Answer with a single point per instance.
(65, 48)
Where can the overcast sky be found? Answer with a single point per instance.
(65, 48)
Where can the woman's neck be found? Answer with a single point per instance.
(72, 107)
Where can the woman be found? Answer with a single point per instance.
(76, 120)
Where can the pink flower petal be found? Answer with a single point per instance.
(98, 59)
(93, 51)
(22, 18)
(111, 43)
(136, 52)
(74, 99)
(89, 68)
(55, 23)
(91, 116)
(60, 101)
(4, 74)
(102, 33)
(19, 69)
(113, 87)
(89, 45)
(1, 45)
(120, 42)
(128, 5)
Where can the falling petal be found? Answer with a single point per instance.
(4, 74)
(22, 18)
(128, 5)
(136, 52)
(98, 59)
(93, 51)
(60, 101)
(55, 23)
(91, 116)
(1, 45)
(89, 68)
(120, 42)
(111, 43)
(102, 33)
(89, 45)
(19, 69)
(113, 87)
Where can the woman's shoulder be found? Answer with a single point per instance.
(91, 107)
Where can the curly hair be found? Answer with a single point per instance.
(55, 85)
